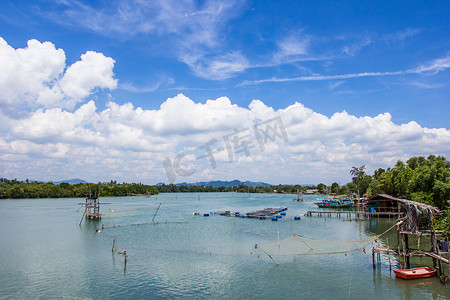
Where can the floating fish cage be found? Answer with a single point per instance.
(262, 214)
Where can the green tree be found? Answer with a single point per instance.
(335, 187)
(322, 188)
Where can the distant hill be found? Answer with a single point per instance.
(218, 183)
(71, 181)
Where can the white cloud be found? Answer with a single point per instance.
(333, 86)
(440, 64)
(218, 67)
(134, 89)
(132, 142)
(425, 85)
(400, 36)
(92, 71)
(194, 31)
(28, 74)
(355, 47)
(433, 67)
(35, 76)
(292, 48)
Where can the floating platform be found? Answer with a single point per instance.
(261, 214)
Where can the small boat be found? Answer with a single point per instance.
(422, 272)
(334, 203)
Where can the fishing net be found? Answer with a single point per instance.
(113, 213)
(116, 214)
(298, 245)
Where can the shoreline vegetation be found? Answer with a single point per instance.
(425, 180)
(14, 189)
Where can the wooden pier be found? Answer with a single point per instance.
(417, 219)
(350, 213)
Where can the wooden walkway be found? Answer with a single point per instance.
(349, 214)
(378, 249)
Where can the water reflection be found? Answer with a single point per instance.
(46, 254)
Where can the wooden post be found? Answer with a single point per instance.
(267, 254)
(125, 265)
(436, 251)
(398, 240)
(156, 212)
(373, 258)
(389, 257)
(433, 248)
(405, 251)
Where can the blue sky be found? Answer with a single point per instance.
(309, 62)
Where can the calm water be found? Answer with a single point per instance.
(46, 254)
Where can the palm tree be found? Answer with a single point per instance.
(357, 174)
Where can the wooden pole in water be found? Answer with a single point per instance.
(125, 265)
(398, 239)
(436, 249)
(156, 212)
(405, 250)
(114, 243)
(267, 254)
(373, 258)
(408, 265)
(389, 257)
(433, 242)
(84, 214)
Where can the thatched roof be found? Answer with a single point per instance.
(415, 211)
(406, 202)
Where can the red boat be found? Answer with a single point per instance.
(422, 272)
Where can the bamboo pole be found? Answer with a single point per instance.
(267, 254)
(304, 242)
(156, 212)
(84, 214)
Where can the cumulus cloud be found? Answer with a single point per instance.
(132, 142)
(36, 76)
(28, 74)
(93, 70)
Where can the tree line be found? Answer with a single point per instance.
(421, 179)
(14, 189)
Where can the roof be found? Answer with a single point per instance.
(406, 201)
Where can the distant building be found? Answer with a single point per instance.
(312, 191)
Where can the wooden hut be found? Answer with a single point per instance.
(416, 219)
(384, 203)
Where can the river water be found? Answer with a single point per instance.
(46, 254)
